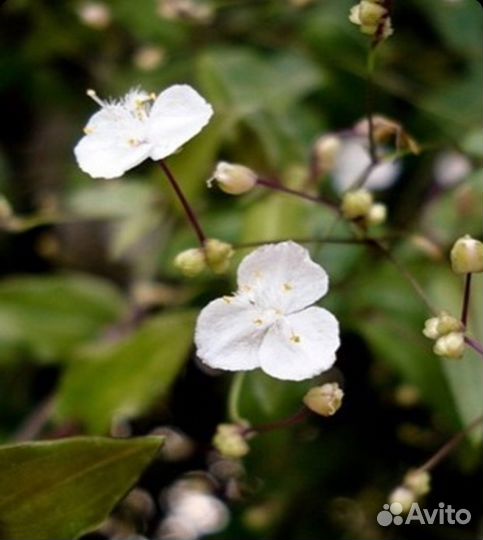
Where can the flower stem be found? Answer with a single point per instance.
(297, 418)
(447, 448)
(234, 397)
(190, 213)
(466, 300)
(475, 345)
(276, 186)
(371, 61)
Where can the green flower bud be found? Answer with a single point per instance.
(190, 262)
(467, 255)
(325, 400)
(218, 255)
(451, 345)
(356, 204)
(230, 442)
(234, 179)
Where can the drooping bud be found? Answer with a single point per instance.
(326, 149)
(419, 482)
(356, 204)
(325, 400)
(404, 496)
(191, 262)
(451, 345)
(233, 178)
(218, 255)
(467, 255)
(230, 442)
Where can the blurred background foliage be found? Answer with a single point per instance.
(96, 323)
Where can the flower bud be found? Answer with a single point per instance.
(467, 255)
(404, 496)
(6, 211)
(218, 255)
(419, 482)
(324, 400)
(451, 345)
(326, 149)
(377, 214)
(370, 13)
(356, 204)
(230, 442)
(431, 328)
(96, 15)
(447, 324)
(190, 262)
(234, 179)
(372, 17)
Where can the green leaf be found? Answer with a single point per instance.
(465, 376)
(51, 315)
(125, 378)
(62, 489)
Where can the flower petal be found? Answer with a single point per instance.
(177, 115)
(228, 334)
(282, 276)
(114, 143)
(301, 345)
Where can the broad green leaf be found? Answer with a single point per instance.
(51, 315)
(112, 200)
(465, 376)
(264, 94)
(62, 489)
(123, 379)
(383, 308)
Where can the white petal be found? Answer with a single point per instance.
(115, 142)
(301, 345)
(282, 276)
(228, 334)
(177, 115)
(353, 159)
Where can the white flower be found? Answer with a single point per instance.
(450, 168)
(124, 133)
(268, 323)
(351, 162)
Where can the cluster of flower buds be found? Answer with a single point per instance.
(215, 255)
(448, 333)
(415, 485)
(358, 205)
(230, 441)
(325, 400)
(467, 256)
(233, 178)
(373, 18)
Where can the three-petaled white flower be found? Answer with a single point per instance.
(268, 323)
(126, 132)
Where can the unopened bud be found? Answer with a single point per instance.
(467, 255)
(419, 482)
(404, 496)
(326, 149)
(230, 442)
(372, 17)
(218, 255)
(431, 328)
(447, 324)
(6, 211)
(96, 15)
(149, 58)
(451, 345)
(325, 400)
(190, 262)
(234, 179)
(356, 204)
(377, 214)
